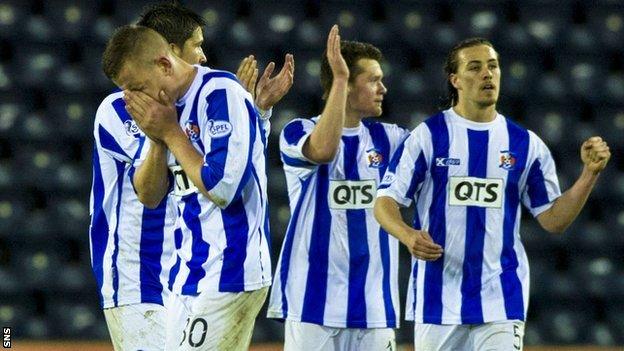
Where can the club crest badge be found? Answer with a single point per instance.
(192, 131)
(374, 158)
(131, 128)
(507, 160)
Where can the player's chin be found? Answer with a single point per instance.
(376, 112)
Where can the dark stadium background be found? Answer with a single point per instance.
(563, 77)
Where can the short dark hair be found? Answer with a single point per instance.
(124, 43)
(451, 65)
(171, 20)
(352, 52)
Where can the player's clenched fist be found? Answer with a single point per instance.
(595, 154)
(421, 245)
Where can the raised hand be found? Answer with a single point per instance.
(247, 74)
(271, 90)
(595, 154)
(154, 117)
(339, 67)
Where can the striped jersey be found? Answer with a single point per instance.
(131, 245)
(337, 267)
(468, 180)
(222, 245)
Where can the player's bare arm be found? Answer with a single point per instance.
(322, 145)
(418, 242)
(595, 155)
(150, 179)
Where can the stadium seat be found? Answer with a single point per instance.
(352, 17)
(310, 34)
(580, 39)
(74, 114)
(583, 76)
(608, 20)
(411, 21)
(38, 29)
(613, 87)
(276, 21)
(480, 19)
(597, 273)
(38, 267)
(567, 324)
(71, 215)
(15, 311)
(37, 166)
(7, 79)
(71, 18)
(36, 65)
(545, 22)
(102, 29)
(12, 214)
(34, 126)
(12, 14)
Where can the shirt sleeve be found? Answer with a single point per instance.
(542, 184)
(292, 139)
(229, 128)
(407, 170)
(115, 132)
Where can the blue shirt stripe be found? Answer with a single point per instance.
(420, 171)
(316, 285)
(236, 230)
(200, 248)
(173, 273)
(382, 143)
(150, 252)
(214, 161)
(99, 223)
(437, 220)
(359, 256)
(295, 162)
(471, 308)
(293, 132)
(120, 173)
(288, 244)
(537, 185)
(108, 142)
(510, 282)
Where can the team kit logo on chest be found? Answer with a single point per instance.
(374, 158)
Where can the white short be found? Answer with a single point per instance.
(494, 336)
(138, 326)
(313, 337)
(213, 320)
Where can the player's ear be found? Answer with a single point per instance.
(164, 64)
(454, 81)
(176, 49)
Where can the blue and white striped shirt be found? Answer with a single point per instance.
(222, 245)
(468, 180)
(337, 267)
(131, 245)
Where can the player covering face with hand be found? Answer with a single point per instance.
(468, 170)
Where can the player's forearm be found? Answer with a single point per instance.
(568, 206)
(389, 217)
(323, 143)
(188, 157)
(150, 179)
